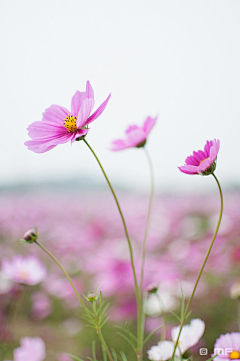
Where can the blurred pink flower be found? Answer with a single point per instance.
(28, 270)
(42, 306)
(135, 136)
(202, 162)
(32, 348)
(59, 125)
(227, 347)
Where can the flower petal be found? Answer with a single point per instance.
(188, 169)
(77, 100)
(42, 145)
(98, 112)
(84, 112)
(148, 124)
(55, 114)
(89, 91)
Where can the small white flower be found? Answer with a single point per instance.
(163, 351)
(190, 335)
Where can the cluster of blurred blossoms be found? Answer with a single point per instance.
(180, 233)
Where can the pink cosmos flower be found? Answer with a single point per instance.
(202, 162)
(135, 136)
(27, 270)
(227, 347)
(60, 125)
(32, 348)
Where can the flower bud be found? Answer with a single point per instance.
(31, 235)
(91, 297)
(153, 288)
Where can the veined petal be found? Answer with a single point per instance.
(204, 165)
(214, 150)
(188, 169)
(79, 134)
(84, 112)
(77, 100)
(98, 112)
(148, 124)
(56, 114)
(42, 129)
(89, 91)
(40, 145)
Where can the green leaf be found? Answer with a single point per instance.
(151, 334)
(175, 315)
(75, 358)
(124, 357)
(127, 339)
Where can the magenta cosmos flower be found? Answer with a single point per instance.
(135, 136)
(227, 347)
(202, 161)
(60, 125)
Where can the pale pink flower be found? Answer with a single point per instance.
(60, 125)
(32, 349)
(135, 136)
(28, 270)
(202, 162)
(227, 347)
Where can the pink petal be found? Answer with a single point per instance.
(204, 165)
(188, 169)
(84, 112)
(42, 129)
(148, 124)
(77, 100)
(78, 134)
(131, 128)
(89, 91)
(214, 150)
(98, 112)
(44, 144)
(119, 144)
(56, 114)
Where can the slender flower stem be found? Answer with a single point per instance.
(78, 296)
(123, 221)
(202, 268)
(66, 274)
(140, 311)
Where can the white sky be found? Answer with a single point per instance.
(178, 59)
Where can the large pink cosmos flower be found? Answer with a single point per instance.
(202, 162)
(227, 347)
(135, 136)
(59, 125)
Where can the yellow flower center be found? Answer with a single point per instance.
(70, 123)
(234, 355)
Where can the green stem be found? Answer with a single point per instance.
(140, 311)
(100, 335)
(66, 274)
(77, 294)
(202, 268)
(123, 221)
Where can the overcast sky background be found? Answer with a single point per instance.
(177, 59)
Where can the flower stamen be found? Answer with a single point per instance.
(70, 123)
(234, 355)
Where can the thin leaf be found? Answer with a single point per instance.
(127, 339)
(103, 323)
(174, 314)
(75, 358)
(114, 355)
(94, 350)
(124, 357)
(182, 303)
(151, 334)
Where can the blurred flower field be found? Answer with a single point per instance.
(84, 231)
